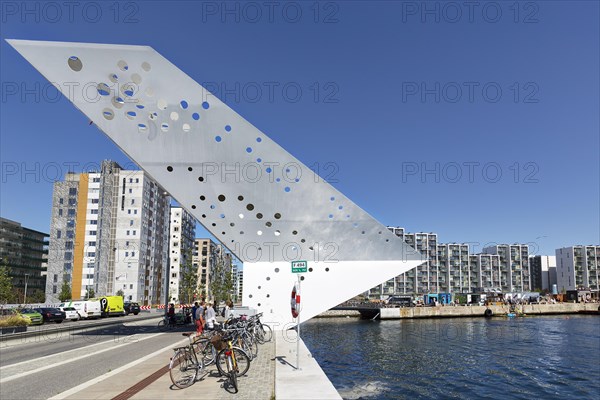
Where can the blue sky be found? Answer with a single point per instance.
(480, 124)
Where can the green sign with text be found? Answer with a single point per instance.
(299, 267)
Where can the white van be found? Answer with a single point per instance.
(86, 308)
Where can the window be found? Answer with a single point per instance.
(68, 255)
(127, 233)
(130, 222)
(72, 202)
(126, 254)
(67, 266)
(133, 233)
(93, 222)
(174, 275)
(131, 286)
(70, 234)
(128, 211)
(133, 254)
(137, 180)
(94, 201)
(130, 180)
(96, 180)
(130, 190)
(58, 234)
(72, 191)
(93, 211)
(55, 278)
(92, 244)
(54, 289)
(132, 201)
(71, 223)
(69, 245)
(60, 212)
(127, 243)
(91, 254)
(61, 200)
(93, 233)
(135, 211)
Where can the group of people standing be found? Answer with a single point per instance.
(205, 316)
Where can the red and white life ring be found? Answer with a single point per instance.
(295, 302)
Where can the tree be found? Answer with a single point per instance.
(188, 280)
(6, 287)
(221, 283)
(65, 292)
(121, 293)
(90, 293)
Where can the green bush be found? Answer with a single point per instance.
(14, 320)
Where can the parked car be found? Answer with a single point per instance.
(70, 313)
(35, 318)
(51, 314)
(131, 308)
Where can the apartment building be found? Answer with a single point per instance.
(24, 251)
(577, 267)
(515, 273)
(181, 247)
(109, 234)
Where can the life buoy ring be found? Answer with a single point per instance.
(295, 302)
(488, 313)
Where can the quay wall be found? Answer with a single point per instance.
(468, 311)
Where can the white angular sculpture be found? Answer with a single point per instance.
(257, 199)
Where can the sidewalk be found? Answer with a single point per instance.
(153, 381)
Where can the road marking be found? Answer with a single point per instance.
(79, 349)
(99, 379)
(34, 371)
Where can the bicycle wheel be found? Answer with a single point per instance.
(232, 374)
(162, 325)
(205, 350)
(241, 358)
(268, 332)
(183, 369)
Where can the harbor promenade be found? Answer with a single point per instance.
(273, 374)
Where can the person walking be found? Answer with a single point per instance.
(199, 319)
(211, 317)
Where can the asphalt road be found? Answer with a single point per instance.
(43, 366)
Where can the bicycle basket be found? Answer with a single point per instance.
(218, 342)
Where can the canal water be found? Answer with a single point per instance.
(555, 357)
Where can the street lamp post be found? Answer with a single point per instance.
(25, 295)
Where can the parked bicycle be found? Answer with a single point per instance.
(185, 365)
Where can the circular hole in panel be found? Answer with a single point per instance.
(136, 78)
(310, 269)
(332, 198)
(103, 89)
(221, 197)
(170, 169)
(277, 233)
(118, 102)
(259, 233)
(146, 66)
(249, 296)
(222, 233)
(193, 206)
(327, 269)
(268, 278)
(259, 216)
(258, 304)
(113, 78)
(269, 170)
(232, 224)
(287, 189)
(228, 128)
(258, 139)
(174, 116)
(387, 240)
(241, 198)
(75, 63)
(259, 288)
(212, 206)
(162, 104)
(268, 295)
(153, 116)
(203, 215)
(205, 105)
(276, 270)
(278, 180)
(310, 248)
(301, 278)
(196, 116)
(277, 216)
(250, 207)
(140, 106)
(218, 138)
(190, 169)
(330, 216)
(241, 232)
(122, 65)
(222, 215)
(164, 127)
(213, 224)
(294, 232)
(128, 90)
(241, 216)
(142, 127)
(131, 114)
(302, 240)
(183, 104)
(340, 207)
(186, 127)
(248, 149)
(201, 178)
(363, 232)
(108, 114)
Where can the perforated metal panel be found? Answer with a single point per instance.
(251, 194)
